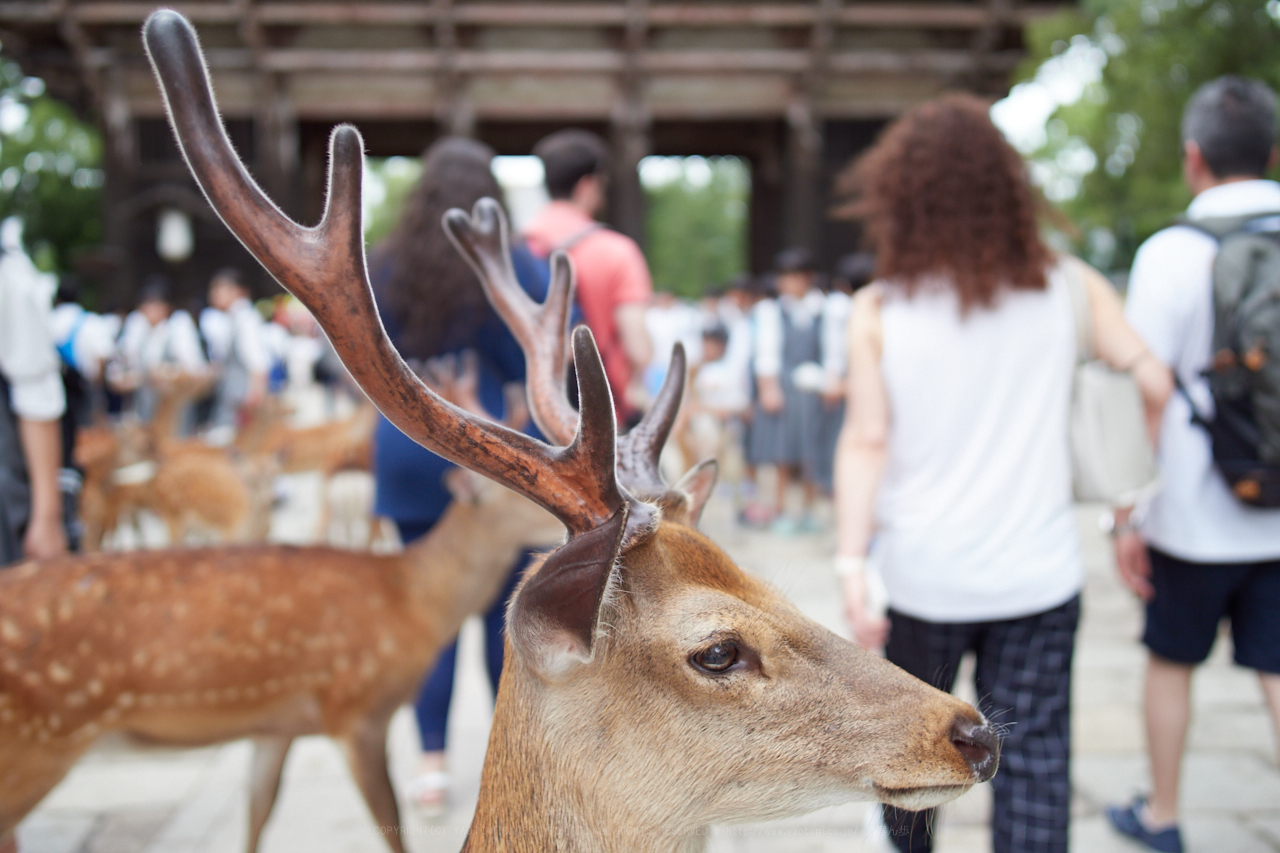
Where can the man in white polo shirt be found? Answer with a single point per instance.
(1199, 555)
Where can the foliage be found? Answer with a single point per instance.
(1157, 52)
(50, 171)
(388, 183)
(696, 222)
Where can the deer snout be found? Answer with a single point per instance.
(978, 744)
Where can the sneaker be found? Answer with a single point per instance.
(809, 524)
(1128, 821)
(784, 526)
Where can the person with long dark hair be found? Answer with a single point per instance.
(432, 304)
(954, 451)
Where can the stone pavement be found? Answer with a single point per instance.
(121, 798)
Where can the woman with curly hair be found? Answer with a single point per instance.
(432, 304)
(954, 451)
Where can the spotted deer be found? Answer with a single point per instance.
(652, 688)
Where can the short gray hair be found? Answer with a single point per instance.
(1233, 121)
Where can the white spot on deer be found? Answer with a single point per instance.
(125, 699)
(258, 629)
(32, 679)
(60, 673)
(180, 610)
(75, 699)
(387, 645)
(24, 731)
(88, 730)
(6, 715)
(42, 735)
(140, 658)
(94, 687)
(43, 619)
(54, 722)
(147, 700)
(5, 699)
(111, 715)
(11, 632)
(11, 665)
(230, 694)
(66, 609)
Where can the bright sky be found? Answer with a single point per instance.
(1061, 80)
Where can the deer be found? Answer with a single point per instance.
(652, 688)
(267, 642)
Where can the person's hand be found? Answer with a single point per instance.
(45, 538)
(1134, 565)
(870, 631)
(771, 397)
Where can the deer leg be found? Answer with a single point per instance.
(366, 749)
(264, 782)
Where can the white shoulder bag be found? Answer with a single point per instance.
(1111, 455)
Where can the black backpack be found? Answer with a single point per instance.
(1244, 372)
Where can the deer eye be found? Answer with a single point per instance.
(716, 659)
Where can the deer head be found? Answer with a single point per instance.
(652, 687)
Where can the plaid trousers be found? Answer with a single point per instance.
(1023, 679)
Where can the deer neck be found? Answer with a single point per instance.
(459, 566)
(540, 790)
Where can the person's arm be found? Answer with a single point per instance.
(629, 318)
(860, 458)
(251, 348)
(1119, 346)
(42, 448)
(767, 362)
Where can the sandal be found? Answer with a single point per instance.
(428, 793)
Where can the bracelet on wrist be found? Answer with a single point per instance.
(846, 567)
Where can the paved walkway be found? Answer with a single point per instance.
(123, 799)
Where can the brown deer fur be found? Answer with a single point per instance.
(270, 642)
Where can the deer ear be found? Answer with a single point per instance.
(555, 615)
(697, 485)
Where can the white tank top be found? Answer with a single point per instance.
(974, 508)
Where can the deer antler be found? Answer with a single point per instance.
(325, 268)
(483, 239)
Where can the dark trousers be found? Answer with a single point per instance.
(1023, 679)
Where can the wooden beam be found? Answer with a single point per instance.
(934, 15)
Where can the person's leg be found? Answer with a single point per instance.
(1255, 632)
(930, 651)
(1023, 675)
(1271, 689)
(1167, 709)
(495, 621)
(1182, 619)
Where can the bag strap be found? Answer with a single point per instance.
(578, 236)
(1080, 308)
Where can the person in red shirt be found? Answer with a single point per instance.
(613, 283)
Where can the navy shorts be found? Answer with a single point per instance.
(1191, 599)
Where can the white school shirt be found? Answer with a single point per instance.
(1170, 304)
(974, 512)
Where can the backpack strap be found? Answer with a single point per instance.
(1222, 227)
(1197, 416)
(577, 237)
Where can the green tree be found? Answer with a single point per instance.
(696, 223)
(389, 184)
(50, 171)
(1157, 52)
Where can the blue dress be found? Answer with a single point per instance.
(410, 488)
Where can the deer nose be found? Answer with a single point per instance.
(979, 746)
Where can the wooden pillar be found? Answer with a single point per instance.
(766, 221)
(630, 129)
(121, 150)
(803, 172)
(275, 134)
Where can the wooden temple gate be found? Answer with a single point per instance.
(795, 87)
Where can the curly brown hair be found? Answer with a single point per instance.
(432, 298)
(942, 193)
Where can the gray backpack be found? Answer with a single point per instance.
(1244, 374)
